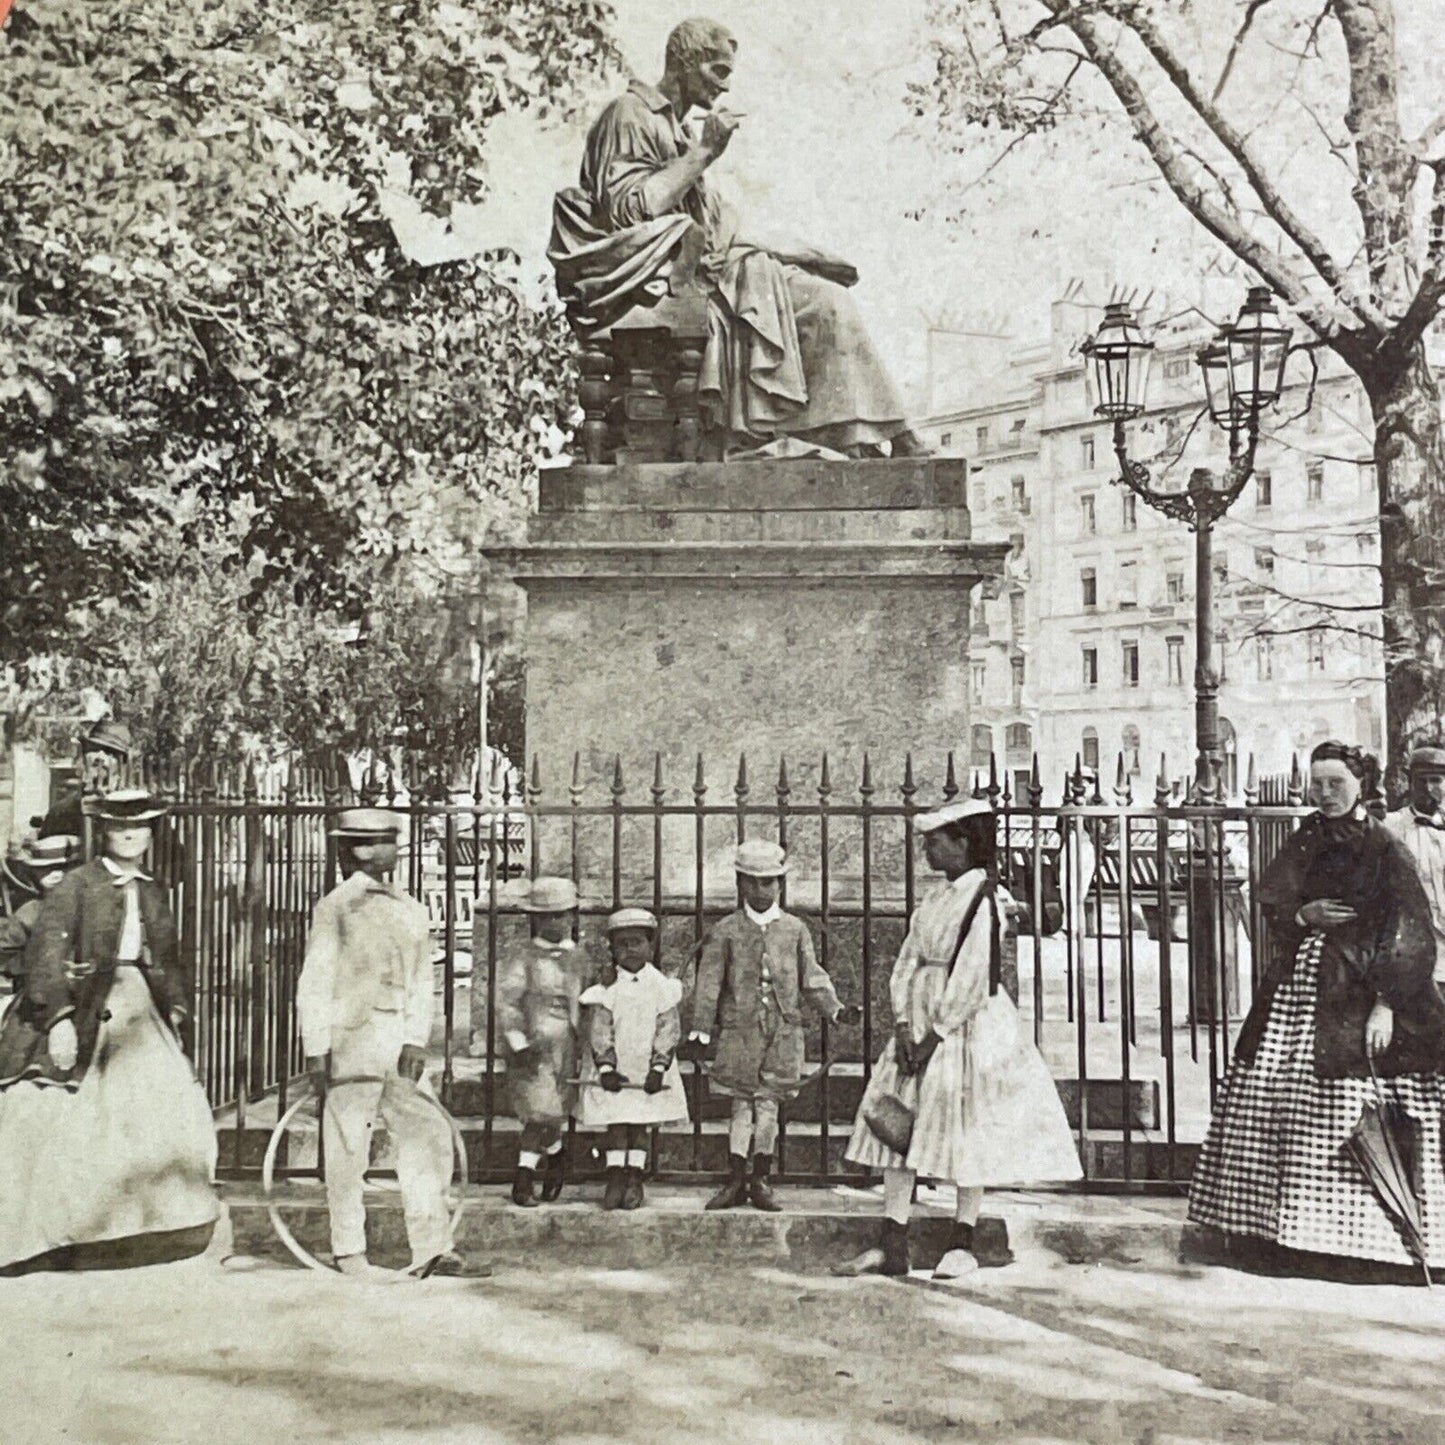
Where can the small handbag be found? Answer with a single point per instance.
(890, 1119)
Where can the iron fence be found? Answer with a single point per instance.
(1137, 944)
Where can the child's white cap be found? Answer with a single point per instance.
(631, 918)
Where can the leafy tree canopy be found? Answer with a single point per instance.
(237, 414)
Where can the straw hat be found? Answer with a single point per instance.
(59, 850)
(631, 918)
(374, 825)
(758, 858)
(130, 806)
(551, 895)
(954, 812)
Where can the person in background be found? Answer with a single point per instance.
(539, 987)
(106, 1135)
(365, 1003)
(1420, 826)
(1347, 993)
(757, 966)
(105, 748)
(47, 860)
(634, 1032)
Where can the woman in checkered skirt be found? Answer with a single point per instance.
(1348, 985)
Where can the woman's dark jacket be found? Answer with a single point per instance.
(79, 924)
(1387, 952)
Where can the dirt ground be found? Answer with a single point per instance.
(1044, 1351)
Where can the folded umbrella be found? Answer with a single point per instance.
(1379, 1144)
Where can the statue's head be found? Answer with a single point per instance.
(700, 56)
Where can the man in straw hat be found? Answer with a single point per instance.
(757, 966)
(960, 1095)
(1420, 826)
(539, 985)
(365, 1006)
(47, 861)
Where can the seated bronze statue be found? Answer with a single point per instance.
(786, 352)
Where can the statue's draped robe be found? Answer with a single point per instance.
(787, 351)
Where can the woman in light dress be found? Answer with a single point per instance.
(107, 1137)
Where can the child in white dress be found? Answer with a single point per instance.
(960, 1093)
(634, 1030)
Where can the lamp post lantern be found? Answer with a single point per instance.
(1243, 369)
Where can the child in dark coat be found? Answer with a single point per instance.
(756, 968)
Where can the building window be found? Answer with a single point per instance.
(980, 619)
(980, 496)
(1221, 646)
(1091, 749)
(1221, 568)
(1017, 663)
(980, 436)
(1131, 511)
(1128, 584)
(1019, 741)
(1264, 658)
(1317, 650)
(1131, 664)
(1176, 367)
(1086, 510)
(979, 671)
(980, 745)
(1176, 660)
(946, 440)
(1132, 747)
(1315, 481)
(1174, 588)
(1089, 582)
(1264, 561)
(1091, 667)
(1086, 452)
(1016, 544)
(1263, 490)
(1016, 612)
(1020, 495)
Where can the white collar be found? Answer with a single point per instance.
(774, 913)
(970, 878)
(121, 875)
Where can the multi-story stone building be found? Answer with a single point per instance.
(1086, 652)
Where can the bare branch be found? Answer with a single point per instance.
(1300, 234)
(1169, 158)
(1255, 6)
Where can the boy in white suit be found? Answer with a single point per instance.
(365, 1006)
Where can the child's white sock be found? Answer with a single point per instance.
(617, 1158)
(528, 1159)
(637, 1158)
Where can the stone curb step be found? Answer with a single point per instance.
(814, 1231)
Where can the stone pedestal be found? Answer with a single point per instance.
(777, 610)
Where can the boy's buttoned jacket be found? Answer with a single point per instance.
(758, 1056)
(368, 964)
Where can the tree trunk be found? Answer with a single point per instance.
(1410, 468)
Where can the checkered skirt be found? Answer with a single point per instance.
(1273, 1165)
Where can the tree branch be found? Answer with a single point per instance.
(1169, 158)
(1255, 6)
(1300, 234)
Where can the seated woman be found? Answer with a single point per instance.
(1347, 992)
(107, 1137)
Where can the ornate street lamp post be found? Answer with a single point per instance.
(1243, 370)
